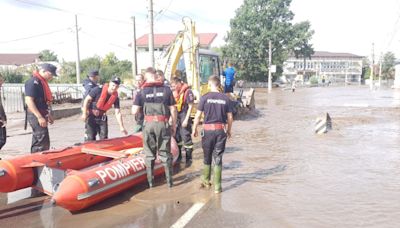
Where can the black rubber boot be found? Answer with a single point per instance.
(179, 154)
(189, 152)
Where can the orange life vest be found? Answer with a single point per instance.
(180, 96)
(48, 97)
(102, 104)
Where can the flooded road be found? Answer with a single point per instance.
(291, 177)
(276, 171)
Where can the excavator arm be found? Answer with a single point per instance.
(186, 44)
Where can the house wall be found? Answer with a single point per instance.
(335, 69)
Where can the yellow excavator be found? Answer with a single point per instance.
(197, 65)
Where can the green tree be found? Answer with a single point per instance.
(302, 34)
(256, 23)
(108, 67)
(47, 55)
(388, 64)
(89, 64)
(109, 60)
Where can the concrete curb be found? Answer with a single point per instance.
(66, 112)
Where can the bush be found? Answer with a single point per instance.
(12, 76)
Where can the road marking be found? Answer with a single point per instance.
(185, 219)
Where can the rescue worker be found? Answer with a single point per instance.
(217, 127)
(38, 99)
(3, 119)
(161, 76)
(229, 75)
(90, 82)
(184, 98)
(139, 117)
(95, 107)
(158, 105)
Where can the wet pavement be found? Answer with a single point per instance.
(276, 172)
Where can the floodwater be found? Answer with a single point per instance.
(277, 172)
(349, 177)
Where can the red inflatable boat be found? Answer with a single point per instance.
(79, 176)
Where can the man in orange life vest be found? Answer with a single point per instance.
(95, 106)
(158, 105)
(217, 127)
(38, 100)
(184, 98)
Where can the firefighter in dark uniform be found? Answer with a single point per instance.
(95, 106)
(184, 98)
(90, 82)
(38, 99)
(217, 126)
(158, 105)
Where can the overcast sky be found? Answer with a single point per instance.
(29, 26)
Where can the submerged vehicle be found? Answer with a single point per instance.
(79, 176)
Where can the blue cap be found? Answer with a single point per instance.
(116, 80)
(50, 68)
(93, 73)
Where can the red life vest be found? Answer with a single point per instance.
(102, 104)
(48, 97)
(180, 96)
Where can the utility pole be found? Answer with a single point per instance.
(371, 77)
(151, 33)
(134, 60)
(78, 59)
(269, 67)
(380, 71)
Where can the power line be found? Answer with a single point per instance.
(162, 12)
(104, 41)
(70, 12)
(34, 36)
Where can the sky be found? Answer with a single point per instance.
(29, 26)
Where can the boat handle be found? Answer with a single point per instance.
(2, 172)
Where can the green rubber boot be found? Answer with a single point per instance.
(217, 178)
(149, 171)
(205, 176)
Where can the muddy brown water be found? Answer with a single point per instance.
(277, 172)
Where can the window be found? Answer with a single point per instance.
(209, 65)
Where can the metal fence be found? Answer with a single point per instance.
(12, 94)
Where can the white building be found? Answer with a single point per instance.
(334, 67)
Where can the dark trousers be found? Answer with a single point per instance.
(3, 136)
(183, 135)
(96, 126)
(228, 89)
(157, 137)
(40, 135)
(213, 143)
